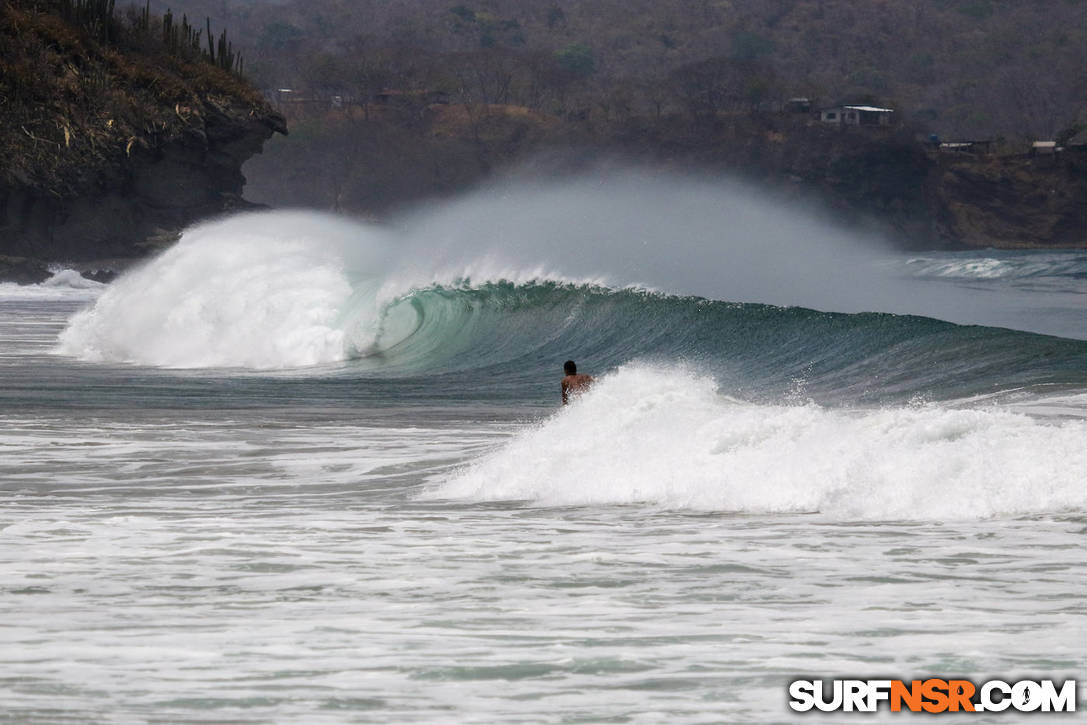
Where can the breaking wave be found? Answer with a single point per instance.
(665, 436)
(291, 290)
(1010, 266)
(717, 400)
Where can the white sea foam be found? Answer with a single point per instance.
(983, 268)
(258, 291)
(65, 284)
(971, 266)
(71, 279)
(666, 437)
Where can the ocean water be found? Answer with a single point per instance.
(301, 469)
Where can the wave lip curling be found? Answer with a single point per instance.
(256, 291)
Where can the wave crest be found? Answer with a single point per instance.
(254, 291)
(664, 436)
(971, 266)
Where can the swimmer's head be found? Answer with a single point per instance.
(569, 367)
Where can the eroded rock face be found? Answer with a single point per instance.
(137, 205)
(1015, 203)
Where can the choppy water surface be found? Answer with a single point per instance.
(372, 510)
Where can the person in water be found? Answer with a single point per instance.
(573, 384)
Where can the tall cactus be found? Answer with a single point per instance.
(211, 43)
(95, 16)
(178, 39)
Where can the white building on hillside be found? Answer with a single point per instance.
(857, 116)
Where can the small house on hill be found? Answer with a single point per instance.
(856, 116)
(1044, 148)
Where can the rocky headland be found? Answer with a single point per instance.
(112, 140)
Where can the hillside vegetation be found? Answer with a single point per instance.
(961, 68)
(82, 87)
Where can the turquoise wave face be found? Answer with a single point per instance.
(524, 332)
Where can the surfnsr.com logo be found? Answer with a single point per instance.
(932, 695)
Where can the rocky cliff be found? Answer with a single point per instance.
(1013, 202)
(112, 145)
